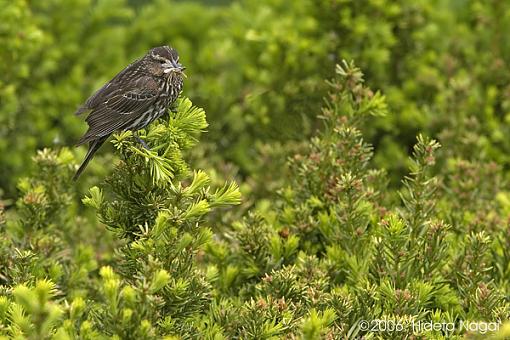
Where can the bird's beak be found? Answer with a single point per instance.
(181, 69)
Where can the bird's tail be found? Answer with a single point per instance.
(94, 145)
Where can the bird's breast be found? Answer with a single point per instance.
(171, 87)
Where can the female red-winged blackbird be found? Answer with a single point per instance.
(133, 99)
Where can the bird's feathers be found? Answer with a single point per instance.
(119, 107)
(93, 147)
(123, 77)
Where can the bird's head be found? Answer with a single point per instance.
(166, 60)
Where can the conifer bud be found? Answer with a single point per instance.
(159, 280)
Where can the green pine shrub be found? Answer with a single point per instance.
(340, 246)
(149, 283)
(335, 248)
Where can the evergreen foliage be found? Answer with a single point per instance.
(339, 249)
(336, 247)
(156, 208)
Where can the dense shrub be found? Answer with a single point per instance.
(336, 247)
(155, 207)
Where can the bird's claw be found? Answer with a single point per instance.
(141, 141)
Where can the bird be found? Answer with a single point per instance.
(134, 98)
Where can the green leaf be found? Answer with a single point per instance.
(160, 279)
(200, 181)
(95, 199)
(229, 194)
(197, 209)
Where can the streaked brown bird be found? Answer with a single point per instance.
(133, 99)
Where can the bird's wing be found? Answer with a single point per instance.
(106, 90)
(122, 106)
